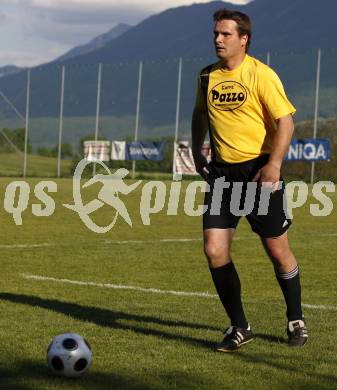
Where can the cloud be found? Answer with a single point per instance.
(3, 17)
(77, 21)
(28, 58)
(67, 29)
(96, 11)
(130, 4)
(68, 23)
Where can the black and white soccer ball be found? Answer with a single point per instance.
(69, 355)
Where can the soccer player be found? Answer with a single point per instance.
(242, 103)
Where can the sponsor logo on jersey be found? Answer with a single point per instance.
(227, 96)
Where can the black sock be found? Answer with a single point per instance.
(228, 287)
(291, 289)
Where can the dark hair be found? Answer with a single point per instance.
(244, 25)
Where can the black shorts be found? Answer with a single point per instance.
(233, 194)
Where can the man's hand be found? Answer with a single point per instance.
(201, 166)
(269, 175)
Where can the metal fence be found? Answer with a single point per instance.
(62, 104)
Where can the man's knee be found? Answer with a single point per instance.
(213, 251)
(217, 255)
(217, 244)
(279, 253)
(279, 250)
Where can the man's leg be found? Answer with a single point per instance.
(287, 274)
(217, 243)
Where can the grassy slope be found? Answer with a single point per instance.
(12, 165)
(151, 341)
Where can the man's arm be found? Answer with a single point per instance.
(271, 172)
(199, 130)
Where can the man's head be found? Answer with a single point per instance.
(232, 33)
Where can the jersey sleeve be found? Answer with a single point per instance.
(200, 101)
(273, 96)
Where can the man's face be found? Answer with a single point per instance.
(227, 42)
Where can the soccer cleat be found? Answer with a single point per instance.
(234, 338)
(297, 333)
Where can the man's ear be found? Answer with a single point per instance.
(244, 40)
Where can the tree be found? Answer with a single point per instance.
(66, 151)
(17, 137)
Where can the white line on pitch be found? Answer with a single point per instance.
(322, 307)
(118, 286)
(18, 246)
(151, 290)
(237, 238)
(25, 245)
(151, 241)
(166, 240)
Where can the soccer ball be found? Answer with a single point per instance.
(69, 355)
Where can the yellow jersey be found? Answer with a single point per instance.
(242, 106)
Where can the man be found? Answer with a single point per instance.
(243, 105)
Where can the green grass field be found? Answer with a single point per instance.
(150, 340)
(38, 166)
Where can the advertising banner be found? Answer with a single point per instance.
(97, 150)
(308, 150)
(118, 150)
(145, 151)
(184, 163)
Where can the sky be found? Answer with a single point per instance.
(37, 31)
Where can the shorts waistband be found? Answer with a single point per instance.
(262, 158)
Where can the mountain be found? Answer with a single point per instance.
(96, 43)
(292, 24)
(278, 25)
(9, 69)
(177, 32)
(291, 30)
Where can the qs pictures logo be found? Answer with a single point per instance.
(227, 96)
